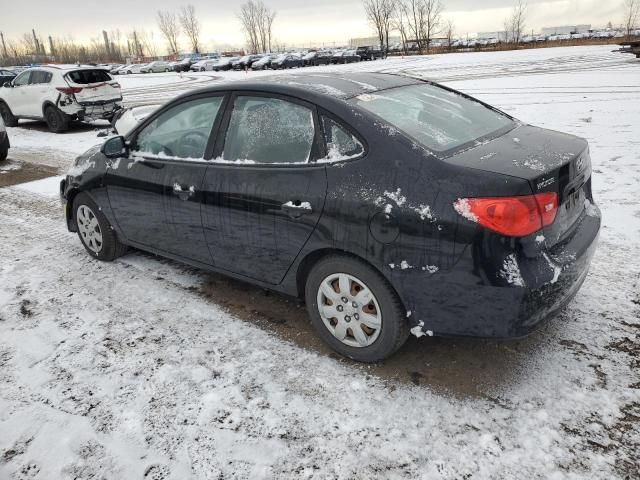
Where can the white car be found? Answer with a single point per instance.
(156, 67)
(127, 118)
(4, 142)
(59, 94)
(204, 65)
(129, 69)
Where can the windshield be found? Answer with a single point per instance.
(439, 119)
(84, 77)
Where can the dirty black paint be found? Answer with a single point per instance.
(392, 207)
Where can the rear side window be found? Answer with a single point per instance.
(437, 118)
(341, 143)
(84, 77)
(269, 130)
(38, 76)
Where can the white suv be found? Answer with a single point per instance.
(60, 94)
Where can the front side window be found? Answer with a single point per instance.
(438, 119)
(341, 144)
(22, 79)
(182, 131)
(269, 130)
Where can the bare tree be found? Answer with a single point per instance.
(191, 26)
(169, 27)
(256, 20)
(631, 15)
(379, 14)
(449, 32)
(432, 20)
(514, 24)
(400, 23)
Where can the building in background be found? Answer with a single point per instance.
(567, 29)
(371, 41)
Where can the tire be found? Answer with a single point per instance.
(57, 121)
(105, 246)
(7, 116)
(372, 344)
(4, 149)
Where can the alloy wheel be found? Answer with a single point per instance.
(349, 310)
(89, 229)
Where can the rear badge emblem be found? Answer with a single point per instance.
(546, 183)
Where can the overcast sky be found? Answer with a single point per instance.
(299, 22)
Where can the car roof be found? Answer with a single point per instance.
(342, 86)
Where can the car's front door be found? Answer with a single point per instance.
(17, 97)
(155, 193)
(264, 194)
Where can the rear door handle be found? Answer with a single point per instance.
(183, 193)
(297, 209)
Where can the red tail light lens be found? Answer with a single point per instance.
(511, 216)
(69, 90)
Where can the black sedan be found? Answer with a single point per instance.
(6, 76)
(286, 61)
(390, 204)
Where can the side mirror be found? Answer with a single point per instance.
(114, 147)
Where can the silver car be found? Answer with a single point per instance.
(156, 67)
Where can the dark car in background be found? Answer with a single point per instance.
(4, 141)
(370, 53)
(246, 62)
(184, 65)
(344, 56)
(361, 194)
(286, 60)
(264, 63)
(6, 76)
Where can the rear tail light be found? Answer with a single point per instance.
(511, 216)
(69, 90)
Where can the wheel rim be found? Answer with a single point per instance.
(89, 228)
(349, 310)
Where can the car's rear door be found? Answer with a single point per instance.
(264, 194)
(38, 91)
(155, 193)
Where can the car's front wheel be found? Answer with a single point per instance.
(94, 230)
(354, 309)
(7, 116)
(57, 121)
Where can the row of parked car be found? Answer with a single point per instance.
(263, 61)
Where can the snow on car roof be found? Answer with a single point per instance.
(343, 86)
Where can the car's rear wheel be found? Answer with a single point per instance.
(57, 121)
(7, 116)
(94, 230)
(354, 309)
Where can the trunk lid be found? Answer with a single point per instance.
(97, 86)
(550, 161)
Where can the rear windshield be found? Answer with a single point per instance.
(437, 118)
(84, 77)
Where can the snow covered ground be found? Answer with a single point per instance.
(126, 370)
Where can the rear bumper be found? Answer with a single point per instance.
(479, 297)
(93, 110)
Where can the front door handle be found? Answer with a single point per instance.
(295, 209)
(183, 193)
